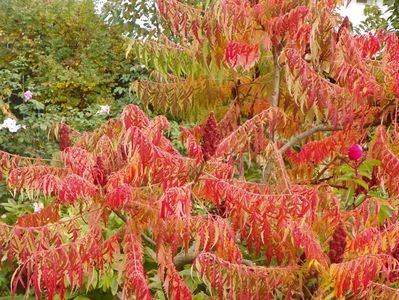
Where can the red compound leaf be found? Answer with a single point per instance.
(176, 202)
(117, 198)
(74, 187)
(239, 54)
(243, 282)
(135, 283)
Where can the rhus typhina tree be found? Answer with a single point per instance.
(311, 104)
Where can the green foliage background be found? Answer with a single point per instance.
(376, 18)
(72, 62)
(69, 58)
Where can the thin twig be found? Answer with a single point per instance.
(143, 235)
(182, 259)
(148, 239)
(122, 217)
(303, 135)
(276, 79)
(317, 179)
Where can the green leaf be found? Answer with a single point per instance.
(345, 169)
(17, 297)
(200, 296)
(160, 295)
(359, 199)
(37, 105)
(345, 178)
(362, 183)
(81, 298)
(95, 279)
(114, 285)
(384, 213)
(150, 254)
(349, 196)
(366, 168)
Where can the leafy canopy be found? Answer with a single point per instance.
(293, 90)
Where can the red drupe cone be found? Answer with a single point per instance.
(64, 136)
(337, 245)
(210, 137)
(99, 173)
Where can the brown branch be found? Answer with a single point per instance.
(122, 217)
(379, 116)
(182, 259)
(276, 79)
(148, 239)
(143, 235)
(326, 167)
(303, 135)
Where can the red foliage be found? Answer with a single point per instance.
(230, 121)
(389, 161)
(176, 202)
(135, 278)
(244, 282)
(74, 187)
(49, 214)
(288, 227)
(239, 54)
(117, 198)
(286, 25)
(370, 44)
(42, 179)
(79, 161)
(317, 151)
(304, 238)
(192, 144)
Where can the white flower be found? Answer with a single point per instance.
(37, 206)
(104, 110)
(11, 125)
(3, 216)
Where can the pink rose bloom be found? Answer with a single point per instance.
(355, 152)
(28, 95)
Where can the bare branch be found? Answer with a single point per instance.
(143, 235)
(303, 135)
(182, 259)
(276, 79)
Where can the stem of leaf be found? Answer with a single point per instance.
(143, 235)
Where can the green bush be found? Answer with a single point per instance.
(61, 50)
(71, 61)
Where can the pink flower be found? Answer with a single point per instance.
(104, 110)
(28, 95)
(37, 206)
(355, 152)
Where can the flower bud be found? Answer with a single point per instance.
(355, 152)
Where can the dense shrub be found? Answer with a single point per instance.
(69, 59)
